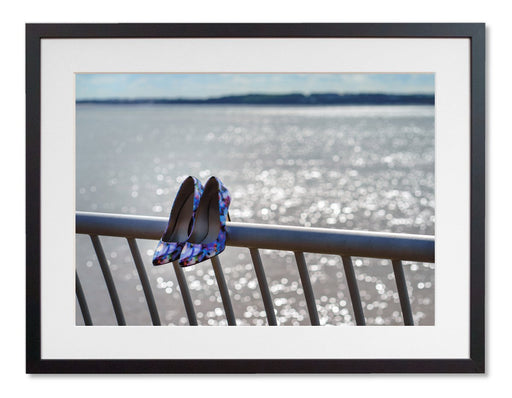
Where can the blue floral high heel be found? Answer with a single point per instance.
(181, 222)
(208, 236)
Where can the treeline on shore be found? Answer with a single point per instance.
(283, 99)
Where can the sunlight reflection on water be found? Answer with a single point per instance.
(361, 168)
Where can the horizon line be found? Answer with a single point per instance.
(324, 96)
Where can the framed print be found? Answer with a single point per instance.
(255, 198)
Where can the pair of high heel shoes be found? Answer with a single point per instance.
(197, 224)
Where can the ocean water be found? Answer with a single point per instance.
(349, 167)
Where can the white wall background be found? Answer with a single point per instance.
(12, 240)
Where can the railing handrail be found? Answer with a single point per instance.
(406, 247)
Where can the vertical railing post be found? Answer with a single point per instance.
(98, 248)
(82, 302)
(401, 286)
(307, 287)
(224, 292)
(185, 294)
(262, 281)
(146, 287)
(353, 289)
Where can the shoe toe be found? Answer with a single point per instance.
(166, 252)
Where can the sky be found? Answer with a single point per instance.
(205, 85)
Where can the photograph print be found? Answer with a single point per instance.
(255, 199)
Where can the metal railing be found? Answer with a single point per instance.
(299, 240)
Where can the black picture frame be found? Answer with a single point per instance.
(475, 32)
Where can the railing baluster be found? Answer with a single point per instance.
(82, 302)
(265, 292)
(108, 280)
(146, 287)
(401, 286)
(307, 287)
(185, 294)
(224, 293)
(353, 289)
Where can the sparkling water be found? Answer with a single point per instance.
(349, 167)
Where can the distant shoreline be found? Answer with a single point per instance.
(279, 99)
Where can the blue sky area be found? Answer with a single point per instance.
(196, 85)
